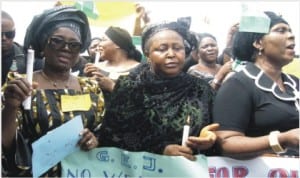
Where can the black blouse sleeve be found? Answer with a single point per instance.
(233, 105)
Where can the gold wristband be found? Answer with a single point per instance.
(274, 144)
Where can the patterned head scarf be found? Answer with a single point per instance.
(43, 25)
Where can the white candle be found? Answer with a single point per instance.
(29, 73)
(186, 131)
(97, 58)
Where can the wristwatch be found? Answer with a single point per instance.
(274, 144)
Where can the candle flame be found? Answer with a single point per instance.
(188, 119)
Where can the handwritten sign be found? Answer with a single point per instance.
(55, 145)
(83, 102)
(114, 162)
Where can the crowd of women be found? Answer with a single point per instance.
(143, 106)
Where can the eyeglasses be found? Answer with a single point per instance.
(9, 34)
(58, 43)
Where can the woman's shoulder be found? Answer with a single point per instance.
(200, 88)
(239, 77)
(294, 77)
(87, 81)
(198, 67)
(128, 66)
(191, 69)
(89, 85)
(238, 81)
(133, 62)
(197, 82)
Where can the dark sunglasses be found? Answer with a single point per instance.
(9, 34)
(58, 43)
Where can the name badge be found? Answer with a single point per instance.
(75, 103)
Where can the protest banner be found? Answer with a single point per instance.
(266, 167)
(114, 162)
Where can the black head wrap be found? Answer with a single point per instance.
(123, 39)
(182, 30)
(43, 25)
(275, 19)
(243, 48)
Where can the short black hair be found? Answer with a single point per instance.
(201, 36)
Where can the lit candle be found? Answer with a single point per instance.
(97, 58)
(186, 131)
(29, 73)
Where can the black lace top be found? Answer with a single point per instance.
(148, 112)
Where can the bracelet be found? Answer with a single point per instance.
(274, 144)
(216, 82)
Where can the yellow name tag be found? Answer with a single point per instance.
(75, 103)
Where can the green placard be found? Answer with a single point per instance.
(256, 22)
(137, 41)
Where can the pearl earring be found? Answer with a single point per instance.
(259, 52)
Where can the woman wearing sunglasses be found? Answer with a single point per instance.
(59, 35)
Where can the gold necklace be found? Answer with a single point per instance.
(54, 83)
